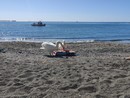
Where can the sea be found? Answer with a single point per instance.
(67, 31)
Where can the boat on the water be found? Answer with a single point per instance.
(38, 24)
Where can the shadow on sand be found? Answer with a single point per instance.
(51, 56)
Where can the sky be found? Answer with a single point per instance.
(66, 10)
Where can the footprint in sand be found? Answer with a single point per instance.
(30, 78)
(87, 89)
(43, 89)
(18, 84)
(26, 89)
(69, 86)
(26, 74)
(100, 96)
(3, 83)
(12, 89)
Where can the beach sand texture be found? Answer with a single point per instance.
(98, 71)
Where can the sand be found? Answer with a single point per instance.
(99, 70)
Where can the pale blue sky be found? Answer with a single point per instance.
(65, 10)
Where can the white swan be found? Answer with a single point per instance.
(50, 47)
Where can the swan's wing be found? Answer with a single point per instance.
(47, 43)
(48, 46)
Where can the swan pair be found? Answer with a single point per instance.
(50, 47)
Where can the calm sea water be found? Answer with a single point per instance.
(68, 31)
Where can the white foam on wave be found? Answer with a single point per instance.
(23, 39)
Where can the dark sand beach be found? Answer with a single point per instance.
(98, 71)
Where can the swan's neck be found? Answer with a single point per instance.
(59, 43)
(63, 43)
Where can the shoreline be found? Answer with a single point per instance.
(70, 41)
(99, 70)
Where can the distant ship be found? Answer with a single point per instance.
(38, 24)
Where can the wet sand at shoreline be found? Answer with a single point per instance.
(98, 71)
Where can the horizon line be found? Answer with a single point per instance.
(54, 21)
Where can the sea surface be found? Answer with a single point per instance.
(68, 31)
